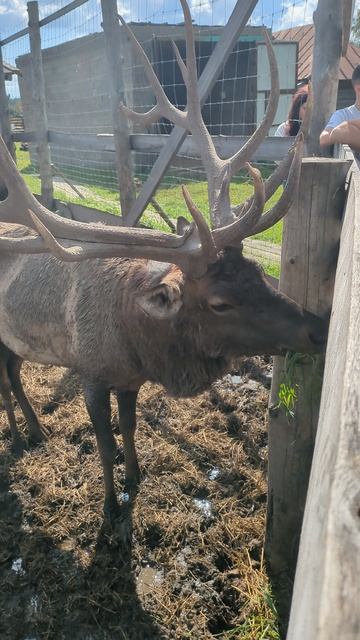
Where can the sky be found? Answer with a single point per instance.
(276, 14)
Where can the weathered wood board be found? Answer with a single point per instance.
(326, 601)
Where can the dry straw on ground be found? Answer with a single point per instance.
(185, 560)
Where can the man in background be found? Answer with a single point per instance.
(344, 125)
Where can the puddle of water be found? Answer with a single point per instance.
(148, 578)
(204, 506)
(214, 473)
(17, 566)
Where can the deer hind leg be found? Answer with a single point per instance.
(127, 419)
(14, 366)
(97, 399)
(5, 390)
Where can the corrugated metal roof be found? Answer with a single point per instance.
(305, 36)
(9, 70)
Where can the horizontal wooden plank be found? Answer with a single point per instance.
(81, 141)
(15, 36)
(327, 585)
(50, 18)
(272, 149)
(23, 136)
(62, 12)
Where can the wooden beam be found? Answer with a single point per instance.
(62, 12)
(328, 21)
(23, 136)
(348, 13)
(272, 149)
(5, 128)
(50, 18)
(15, 36)
(237, 21)
(326, 596)
(39, 105)
(113, 35)
(308, 262)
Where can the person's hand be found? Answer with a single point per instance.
(347, 133)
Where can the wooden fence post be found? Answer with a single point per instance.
(39, 106)
(309, 254)
(329, 23)
(113, 35)
(5, 128)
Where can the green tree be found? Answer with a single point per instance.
(355, 30)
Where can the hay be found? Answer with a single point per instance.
(185, 560)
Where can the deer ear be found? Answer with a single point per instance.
(161, 302)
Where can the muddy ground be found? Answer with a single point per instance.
(185, 560)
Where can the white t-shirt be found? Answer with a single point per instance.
(343, 115)
(281, 131)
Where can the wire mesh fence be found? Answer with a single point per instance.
(78, 97)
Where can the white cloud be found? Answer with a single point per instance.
(202, 5)
(297, 13)
(16, 8)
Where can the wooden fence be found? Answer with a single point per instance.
(327, 586)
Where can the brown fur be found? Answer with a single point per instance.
(119, 322)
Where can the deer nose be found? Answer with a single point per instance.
(318, 332)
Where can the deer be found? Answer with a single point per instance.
(122, 305)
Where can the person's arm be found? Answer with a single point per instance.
(347, 132)
(325, 137)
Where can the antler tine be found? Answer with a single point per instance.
(145, 119)
(282, 206)
(14, 208)
(205, 235)
(165, 108)
(181, 63)
(234, 233)
(282, 170)
(271, 184)
(190, 257)
(239, 158)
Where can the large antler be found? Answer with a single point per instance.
(74, 241)
(195, 246)
(218, 171)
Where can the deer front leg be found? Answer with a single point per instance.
(127, 419)
(5, 390)
(97, 399)
(37, 434)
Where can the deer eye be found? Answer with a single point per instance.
(221, 307)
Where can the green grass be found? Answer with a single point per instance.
(169, 196)
(258, 607)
